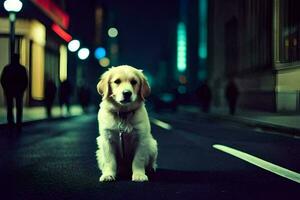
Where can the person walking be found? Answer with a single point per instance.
(65, 92)
(204, 95)
(84, 97)
(14, 81)
(50, 93)
(232, 94)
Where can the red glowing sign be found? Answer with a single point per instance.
(61, 32)
(53, 12)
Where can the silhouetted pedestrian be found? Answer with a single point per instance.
(204, 94)
(50, 93)
(232, 94)
(84, 97)
(65, 92)
(14, 81)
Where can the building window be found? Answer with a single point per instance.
(290, 31)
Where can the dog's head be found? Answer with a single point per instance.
(125, 85)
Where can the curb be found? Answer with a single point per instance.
(264, 125)
(28, 123)
(291, 131)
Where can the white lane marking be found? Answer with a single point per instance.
(297, 137)
(294, 176)
(161, 124)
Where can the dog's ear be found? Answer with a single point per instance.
(144, 87)
(103, 87)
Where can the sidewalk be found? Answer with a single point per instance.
(285, 123)
(31, 114)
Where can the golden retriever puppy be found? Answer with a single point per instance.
(125, 135)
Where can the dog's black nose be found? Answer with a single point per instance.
(127, 94)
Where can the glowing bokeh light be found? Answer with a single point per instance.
(74, 45)
(100, 53)
(13, 5)
(181, 89)
(202, 51)
(181, 47)
(182, 79)
(83, 53)
(104, 62)
(113, 32)
(61, 32)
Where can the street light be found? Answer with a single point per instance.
(74, 45)
(83, 53)
(113, 32)
(12, 7)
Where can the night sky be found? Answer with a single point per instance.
(145, 28)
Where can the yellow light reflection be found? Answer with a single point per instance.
(24, 49)
(37, 32)
(37, 81)
(63, 63)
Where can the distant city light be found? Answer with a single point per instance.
(100, 53)
(83, 53)
(104, 62)
(74, 45)
(113, 32)
(181, 89)
(202, 51)
(202, 74)
(61, 32)
(114, 48)
(13, 5)
(182, 79)
(181, 47)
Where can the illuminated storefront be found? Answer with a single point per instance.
(42, 51)
(287, 54)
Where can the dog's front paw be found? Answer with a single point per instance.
(139, 177)
(107, 178)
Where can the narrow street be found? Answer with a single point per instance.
(56, 160)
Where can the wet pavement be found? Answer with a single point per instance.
(56, 160)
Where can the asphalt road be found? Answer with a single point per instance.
(56, 160)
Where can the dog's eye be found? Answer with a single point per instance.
(118, 81)
(133, 82)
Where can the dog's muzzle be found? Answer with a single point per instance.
(126, 96)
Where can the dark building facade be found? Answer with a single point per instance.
(257, 44)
